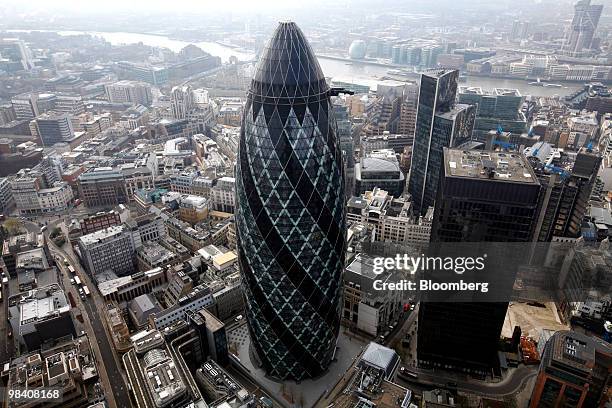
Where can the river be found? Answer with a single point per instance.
(348, 71)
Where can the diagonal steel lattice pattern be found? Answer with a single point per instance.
(290, 213)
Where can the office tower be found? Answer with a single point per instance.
(501, 107)
(52, 128)
(575, 371)
(15, 56)
(439, 123)
(7, 114)
(520, 30)
(583, 26)
(181, 101)
(583, 177)
(516, 26)
(290, 210)
(45, 102)
(7, 201)
(110, 249)
(483, 197)
(565, 193)
(345, 138)
(102, 187)
(385, 114)
(200, 98)
(129, 92)
(71, 104)
(408, 110)
(25, 106)
(144, 73)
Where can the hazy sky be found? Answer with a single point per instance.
(87, 6)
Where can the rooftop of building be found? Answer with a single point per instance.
(17, 242)
(102, 235)
(438, 72)
(381, 357)
(578, 350)
(173, 146)
(52, 115)
(223, 259)
(198, 292)
(193, 201)
(357, 202)
(586, 119)
(111, 283)
(474, 90)
(209, 251)
(146, 340)
(543, 151)
(152, 195)
(127, 82)
(40, 304)
(70, 357)
(154, 253)
(216, 375)
(32, 259)
(101, 173)
(494, 166)
(438, 397)
(363, 266)
(507, 92)
(131, 169)
(600, 215)
(212, 322)
(379, 163)
(162, 376)
(385, 136)
(142, 306)
(454, 111)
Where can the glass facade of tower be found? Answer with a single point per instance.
(291, 212)
(436, 122)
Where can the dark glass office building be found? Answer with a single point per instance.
(439, 124)
(483, 197)
(291, 211)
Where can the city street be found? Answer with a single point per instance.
(510, 385)
(110, 373)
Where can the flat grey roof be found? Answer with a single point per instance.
(508, 167)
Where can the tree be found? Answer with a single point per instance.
(59, 241)
(12, 226)
(55, 232)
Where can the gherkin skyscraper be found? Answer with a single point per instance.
(290, 214)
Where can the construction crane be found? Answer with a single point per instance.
(505, 145)
(558, 170)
